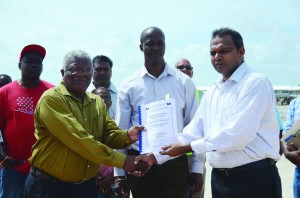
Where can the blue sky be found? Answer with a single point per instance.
(270, 30)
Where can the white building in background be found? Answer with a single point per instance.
(287, 91)
(280, 91)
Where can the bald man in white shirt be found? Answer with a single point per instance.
(153, 82)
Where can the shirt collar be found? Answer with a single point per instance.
(236, 76)
(112, 87)
(167, 71)
(64, 91)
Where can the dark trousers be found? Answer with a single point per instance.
(36, 187)
(259, 183)
(168, 180)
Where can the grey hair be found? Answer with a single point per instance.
(182, 59)
(73, 55)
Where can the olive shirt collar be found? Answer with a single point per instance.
(87, 97)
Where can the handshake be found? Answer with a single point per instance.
(139, 165)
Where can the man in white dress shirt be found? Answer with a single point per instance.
(155, 81)
(235, 125)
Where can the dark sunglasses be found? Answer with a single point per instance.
(184, 66)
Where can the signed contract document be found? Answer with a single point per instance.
(160, 120)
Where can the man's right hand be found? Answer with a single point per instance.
(10, 163)
(148, 158)
(135, 168)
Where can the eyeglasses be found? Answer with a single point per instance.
(187, 67)
(85, 72)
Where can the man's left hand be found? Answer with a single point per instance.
(291, 153)
(133, 132)
(176, 149)
(196, 183)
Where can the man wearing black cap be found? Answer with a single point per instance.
(17, 105)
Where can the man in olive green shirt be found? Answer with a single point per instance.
(74, 135)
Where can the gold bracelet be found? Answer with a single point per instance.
(3, 160)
